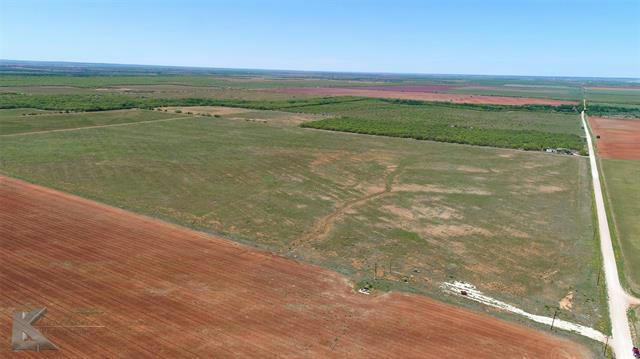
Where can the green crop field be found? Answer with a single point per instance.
(615, 96)
(623, 190)
(238, 82)
(516, 224)
(23, 121)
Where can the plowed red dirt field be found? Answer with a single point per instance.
(121, 285)
(424, 96)
(619, 138)
(408, 88)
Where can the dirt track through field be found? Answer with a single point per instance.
(326, 224)
(424, 96)
(121, 285)
(619, 138)
(98, 126)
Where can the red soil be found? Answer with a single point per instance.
(613, 88)
(157, 290)
(424, 96)
(619, 138)
(408, 88)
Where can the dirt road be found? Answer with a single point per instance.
(119, 285)
(619, 300)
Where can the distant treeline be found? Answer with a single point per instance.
(593, 109)
(519, 139)
(486, 107)
(606, 110)
(115, 102)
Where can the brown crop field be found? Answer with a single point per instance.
(380, 92)
(619, 138)
(409, 88)
(118, 284)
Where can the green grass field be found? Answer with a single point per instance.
(623, 190)
(23, 121)
(615, 96)
(516, 224)
(238, 82)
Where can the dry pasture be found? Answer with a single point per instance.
(118, 284)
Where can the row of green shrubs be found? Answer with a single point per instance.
(115, 102)
(104, 102)
(519, 139)
(487, 107)
(607, 110)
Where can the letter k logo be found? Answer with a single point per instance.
(26, 337)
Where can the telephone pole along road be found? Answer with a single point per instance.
(619, 300)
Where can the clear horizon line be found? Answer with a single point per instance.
(324, 71)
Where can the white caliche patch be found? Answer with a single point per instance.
(472, 293)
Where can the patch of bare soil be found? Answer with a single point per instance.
(566, 303)
(422, 212)
(471, 169)
(210, 110)
(514, 232)
(616, 138)
(409, 88)
(549, 189)
(438, 189)
(453, 230)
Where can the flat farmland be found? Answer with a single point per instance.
(27, 121)
(623, 192)
(619, 95)
(618, 138)
(171, 91)
(221, 81)
(118, 284)
(498, 127)
(515, 224)
(556, 92)
(445, 114)
(421, 95)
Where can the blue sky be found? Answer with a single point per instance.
(516, 37)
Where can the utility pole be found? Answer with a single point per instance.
(554, 318)
(606, 344)
(375, 271)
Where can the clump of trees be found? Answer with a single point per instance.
(486, 107)
(104, 102)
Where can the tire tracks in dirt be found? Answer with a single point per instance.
(322, 228)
